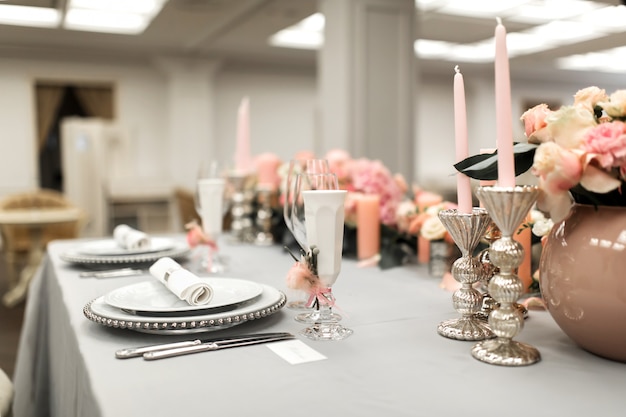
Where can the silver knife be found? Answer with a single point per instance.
(122, 272)
(139, 351)
(211, 346)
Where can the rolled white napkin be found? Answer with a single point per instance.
(130, 238)
(186, 285)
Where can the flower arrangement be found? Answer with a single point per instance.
(578, 152)
(582, 150)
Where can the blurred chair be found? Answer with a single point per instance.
(186, 206)
(6, 394)
(18, 241)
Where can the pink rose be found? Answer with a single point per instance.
(535, 121)
(427, 199)
(304, 155)
(338, 161)
(606, 144)
(589, 97)
(558, 168)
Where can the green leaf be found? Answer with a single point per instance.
(485, 166)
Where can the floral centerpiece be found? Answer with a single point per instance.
(578, 152)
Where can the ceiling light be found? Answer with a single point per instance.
(112, 16)
(99, 21)
(306, 34)
(609, 19)
(565, 32)
(549, 10)
(430, 49)
(29, 16)
(480, 9)
(146, 7)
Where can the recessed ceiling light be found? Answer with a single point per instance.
(29, 16)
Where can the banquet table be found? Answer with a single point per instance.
(395, 363)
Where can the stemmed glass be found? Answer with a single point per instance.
(296, 167)
(318, 213)
(209, 202)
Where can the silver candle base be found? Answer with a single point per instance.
(507, 206)
(466, 229)
(240, 210)
(264, 235)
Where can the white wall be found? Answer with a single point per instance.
(283, 120)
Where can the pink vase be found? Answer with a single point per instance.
(583, 278)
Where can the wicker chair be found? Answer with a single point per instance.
(16, 240)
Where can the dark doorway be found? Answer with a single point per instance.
(50, 166)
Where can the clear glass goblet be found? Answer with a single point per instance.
(296, 167)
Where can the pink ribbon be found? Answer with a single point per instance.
(319, 294)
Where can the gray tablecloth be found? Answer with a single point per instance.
(395, 364)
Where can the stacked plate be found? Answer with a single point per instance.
(150, 307)
(107, 251)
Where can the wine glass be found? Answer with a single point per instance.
(319, 208)
(209, 202)
(296, 167)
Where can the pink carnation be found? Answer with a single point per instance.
(372, 177)
(606, 144)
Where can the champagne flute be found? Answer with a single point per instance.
(296, 167)
(209, 201)
(323, 220)
(307, 183)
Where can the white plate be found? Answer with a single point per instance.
(154, 297)
(268, 303)
(178, 251)
(109, 247)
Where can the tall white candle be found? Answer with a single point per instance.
(243, 157)
(504, 116)
(463, 187)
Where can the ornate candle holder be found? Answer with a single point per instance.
(508, 206)
(264, 235)
(489, 304)
(466, 229)
(240, 209)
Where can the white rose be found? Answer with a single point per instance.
(542, 227)
(536, 216)
(433, 229)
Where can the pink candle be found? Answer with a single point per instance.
(463, 187)
(267, 170)
(367, 226)
(243, 158)
(504, 118)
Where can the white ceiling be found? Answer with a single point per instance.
(237, 31)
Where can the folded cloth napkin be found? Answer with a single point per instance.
(130, 238)
(186, 285)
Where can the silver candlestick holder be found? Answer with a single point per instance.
(240, 210)
(507, 206)
(466, 229)
(264, 235)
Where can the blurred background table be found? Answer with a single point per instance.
(35, 220)
(395, 364)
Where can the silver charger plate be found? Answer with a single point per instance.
(268, 303)
(75, 256)
(153, 297)
(104, 247)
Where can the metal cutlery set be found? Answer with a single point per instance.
(168, 350)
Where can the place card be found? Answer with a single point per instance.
(296, 352)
